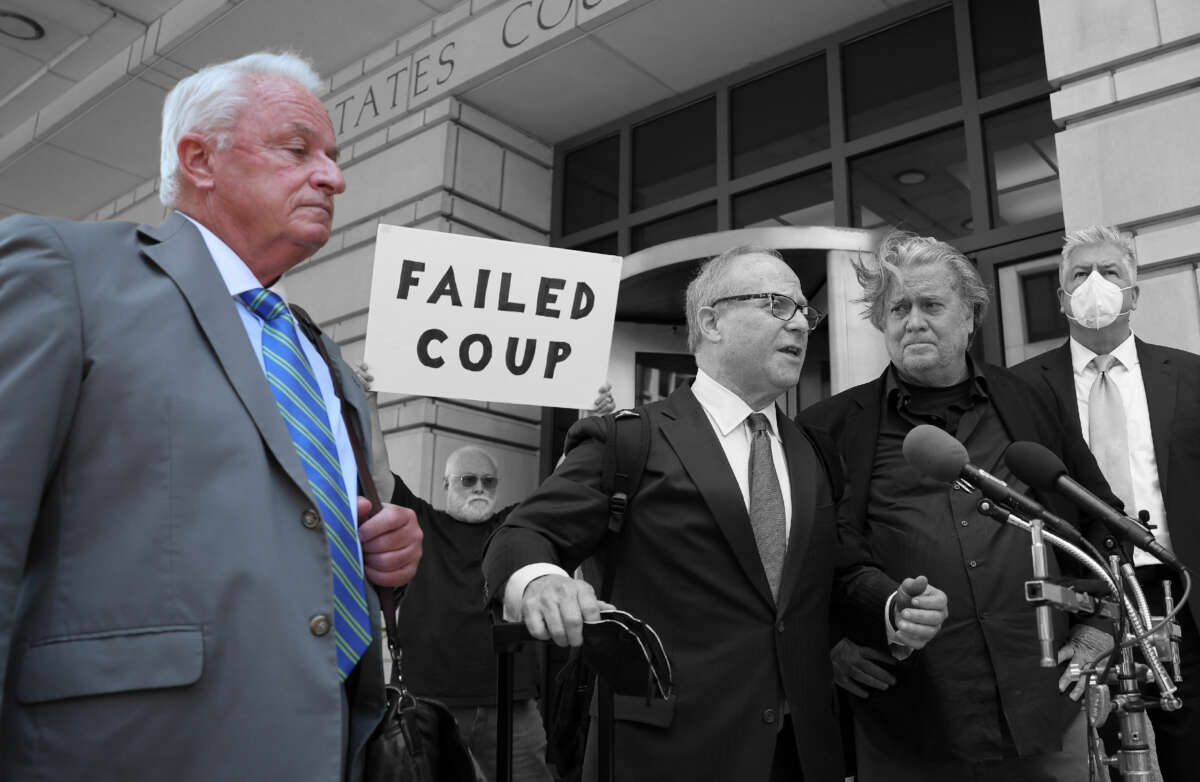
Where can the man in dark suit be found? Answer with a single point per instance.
(730, 550)
(1155, 428)
(185, 595)
(975, 704)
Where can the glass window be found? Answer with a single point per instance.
(1022, 164)
(1039, 291)
(605, 244)
(658, 375)
(900, 74)
(1008, 44)
(675, 155)
(701, 220)
(590, 182)
(802, 200)
(779, 117)
(919, 186)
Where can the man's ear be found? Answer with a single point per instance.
(708, 319)
(1134, 293)
(196, 160)
(1063, 296)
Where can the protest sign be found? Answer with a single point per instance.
(490, 320)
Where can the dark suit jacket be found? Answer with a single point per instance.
(909, 712)
(1172, 380)
(688, 566)
(156, 581)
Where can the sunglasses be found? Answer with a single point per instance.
(468, 480)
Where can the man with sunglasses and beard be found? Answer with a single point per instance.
(445, 632)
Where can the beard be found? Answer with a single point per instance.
(475, 510)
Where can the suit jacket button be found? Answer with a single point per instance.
(779, 626)
(319, 625)
(768, 716)
(310, 519)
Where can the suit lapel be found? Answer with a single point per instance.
(344, 376)
(859, 440)
(1161, 380)
(1060, 376)
(689, 433)
(802, 474)
(1011, 407)
(177, 248)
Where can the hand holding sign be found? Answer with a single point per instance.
(464, 317)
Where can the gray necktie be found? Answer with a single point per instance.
(1107, 432)
(766, 501)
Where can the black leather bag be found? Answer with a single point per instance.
(417, 741)
(628, 656)
(571, 696)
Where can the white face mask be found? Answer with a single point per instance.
(1097, 302)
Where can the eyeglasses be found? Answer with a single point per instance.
(468, 479)
(782, 307)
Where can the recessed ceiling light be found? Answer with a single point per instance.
(20, 26)
(911, 177)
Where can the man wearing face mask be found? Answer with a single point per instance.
(1138, 406)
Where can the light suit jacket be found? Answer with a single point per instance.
(156, 581)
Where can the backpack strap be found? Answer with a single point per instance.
(628, 440)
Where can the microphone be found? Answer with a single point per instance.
(1036, 465)
(936, 454)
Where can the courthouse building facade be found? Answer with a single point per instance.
(663, 131)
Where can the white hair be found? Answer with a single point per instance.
(210, 100)
(1093, 236)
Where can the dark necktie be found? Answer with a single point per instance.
(1107, 432)
(303, 409)
(766, 501)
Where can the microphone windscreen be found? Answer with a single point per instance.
(1034, 464)
(934, 453)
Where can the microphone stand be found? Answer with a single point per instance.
(1135, 759)
(1045, 629)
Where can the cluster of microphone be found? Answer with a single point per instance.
(936, 454)
(939, 456)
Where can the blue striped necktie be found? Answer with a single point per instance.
(303, 409)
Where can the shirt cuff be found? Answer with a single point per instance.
(514, 590)
(898, 649)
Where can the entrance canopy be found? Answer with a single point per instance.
(653, 281)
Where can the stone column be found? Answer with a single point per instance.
(1128, 103)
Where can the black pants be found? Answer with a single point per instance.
(785, 765)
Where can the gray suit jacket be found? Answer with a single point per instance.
(156, 581)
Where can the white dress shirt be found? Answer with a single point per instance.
(238, 278)
(727, 415)
(1126, 373)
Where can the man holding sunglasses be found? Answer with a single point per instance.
(730, 551)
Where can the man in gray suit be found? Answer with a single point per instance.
(168, 603)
